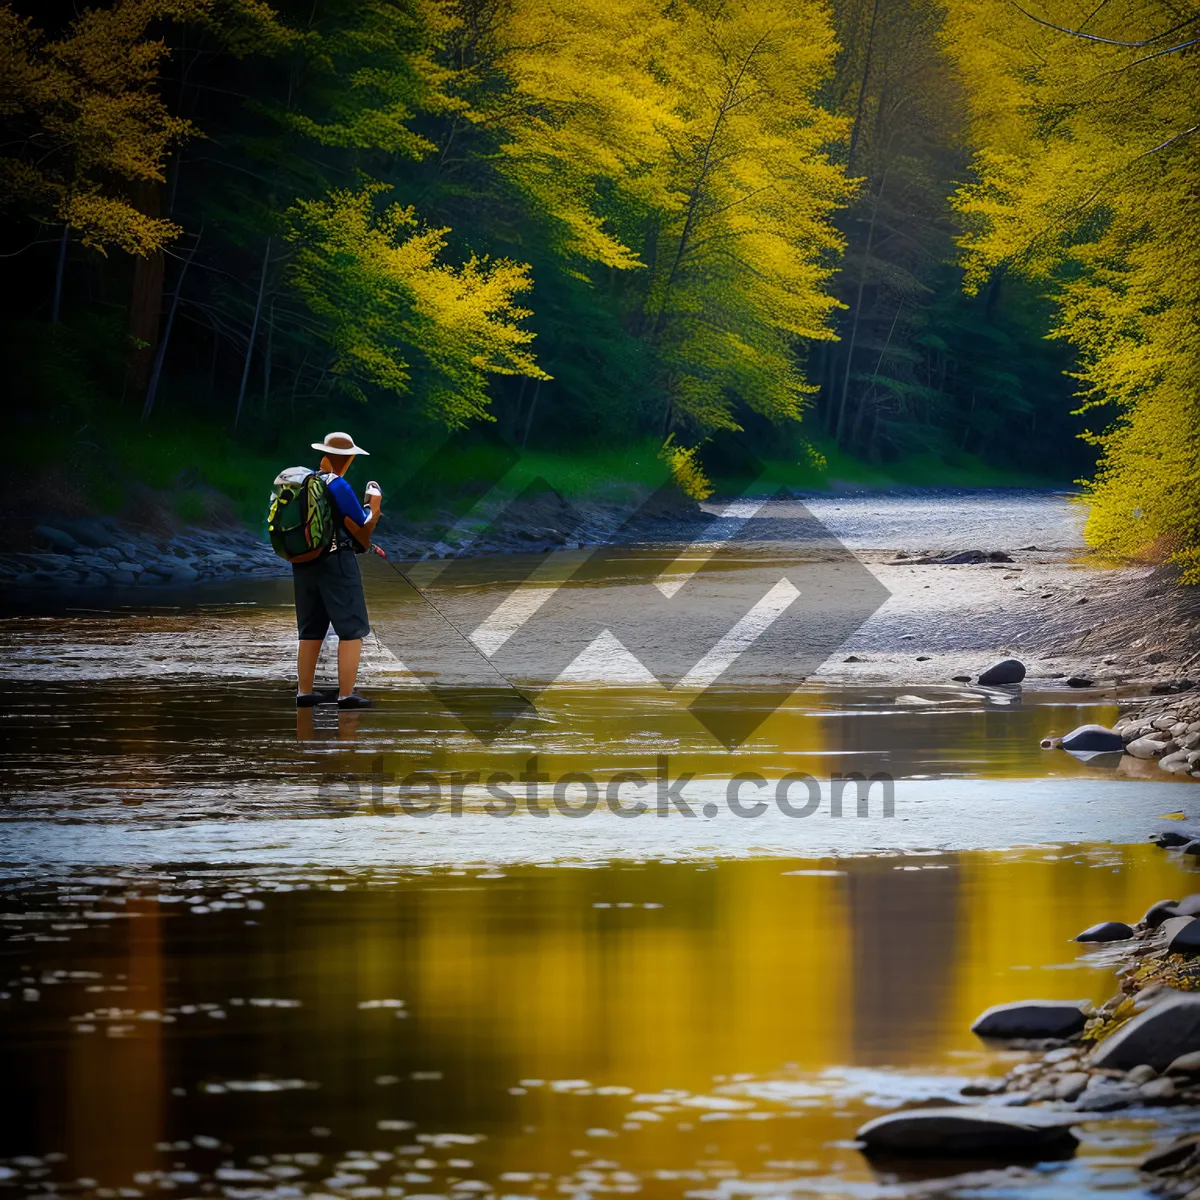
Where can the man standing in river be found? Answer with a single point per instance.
(329, 589)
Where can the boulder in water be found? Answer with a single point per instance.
(967, 1131)
(1032, 1019)
(1158, 1035)
(1008, 670)
(1092, 737)
(1106, 931)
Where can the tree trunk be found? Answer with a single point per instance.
(161, 352)
(862, 89)
(60, 271)
(212, 366)
(858, 416)
(696, 193)
(267, 360)
(862, 283)
(537, 387)
(146, 296)
(262, 287)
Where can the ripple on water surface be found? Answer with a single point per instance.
(683, 1030)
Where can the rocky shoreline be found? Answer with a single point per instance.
(1166, 730)
(1137, 1053)
(101, 552)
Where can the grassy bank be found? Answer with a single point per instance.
(191, 472)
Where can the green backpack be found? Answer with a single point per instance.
(300, 519)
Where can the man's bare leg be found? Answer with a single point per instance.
(306, 665)
(348, 656)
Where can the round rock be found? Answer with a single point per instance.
(1008, 670)
(1158, 1035)
(1106, 931)
(969, 1131)
(1145, 747)
(1182, 933)
(1032, 1019)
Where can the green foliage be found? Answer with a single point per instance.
(601, 225)
(392, 308)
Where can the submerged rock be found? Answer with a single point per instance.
(1158, 1036)
(1008, 670)
(1106, 931)
(970, 1131)
(1032, 1019)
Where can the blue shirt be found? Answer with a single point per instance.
(345, 504)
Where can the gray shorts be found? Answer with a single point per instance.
(329, 591)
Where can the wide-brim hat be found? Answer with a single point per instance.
(339, 443)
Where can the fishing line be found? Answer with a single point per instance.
(507, 682)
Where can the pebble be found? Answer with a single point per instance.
(1071, 1085)
(1185, 1064)
(1158, 1090)
(1106, 1095)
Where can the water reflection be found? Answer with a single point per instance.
(661, 1028)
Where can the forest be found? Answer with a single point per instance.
(907, 235)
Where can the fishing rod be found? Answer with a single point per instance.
(377, 549)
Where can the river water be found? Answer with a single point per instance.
(255, 953)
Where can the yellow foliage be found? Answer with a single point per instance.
(685, 139)
(1087, 178)
(395, 310)
(94, 118)
(89, 118)
(745, 249)
(685, 470)
(581, 110)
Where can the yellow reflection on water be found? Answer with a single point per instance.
(739, 1004)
